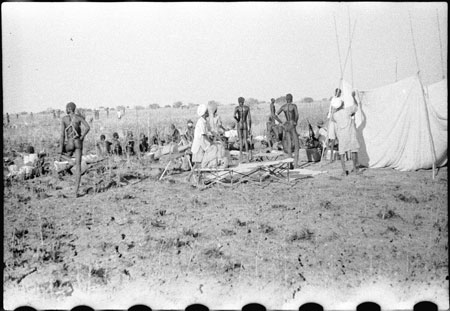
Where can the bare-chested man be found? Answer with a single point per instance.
(273, 132)
(244, 126)
(290, 127)
(71, 131)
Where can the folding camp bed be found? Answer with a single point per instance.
(268, 156)
(172, 157)
(242, 172)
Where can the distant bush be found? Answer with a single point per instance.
(153, 106)
(251, 101)
(307, 100)
(280, 100)
(177, 104)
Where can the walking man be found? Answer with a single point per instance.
(71, 132)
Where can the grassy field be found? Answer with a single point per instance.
(381, 236)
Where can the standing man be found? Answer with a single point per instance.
(201, 140)
(244, 126)
(107, 112)
(346, 133)
(336, 102)
(71, 131)
(272, 126)
(290, 127)
(7, 118)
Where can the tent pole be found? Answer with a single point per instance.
(349, 48)
(440, 44)
(414, 43)
(349, 38)
(396, 64)
(337, 41)
(433, 151)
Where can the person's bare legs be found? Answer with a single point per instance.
(331, 143)
(297, 147)
(269, 134)
(244, 139)
(78, 153)
(355, 162)
(289, 143)
(240, 145)
(247, 149)
(344, 170)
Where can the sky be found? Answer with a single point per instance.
(110, 54)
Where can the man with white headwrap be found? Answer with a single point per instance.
(215, 122)
(346, 133)
(201, 140)
(335, 103)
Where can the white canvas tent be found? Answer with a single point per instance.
(401, 125)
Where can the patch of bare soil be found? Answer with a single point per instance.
(329, 239)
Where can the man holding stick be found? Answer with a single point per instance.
(71, 131)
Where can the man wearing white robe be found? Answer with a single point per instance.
(201, 141)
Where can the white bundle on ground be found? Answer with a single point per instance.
(216, 156)
(30, 159)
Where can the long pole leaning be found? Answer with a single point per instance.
(349, 38)
(433, 152)
(414, 43)
(324, 148)
(337, 42)
(440, 44)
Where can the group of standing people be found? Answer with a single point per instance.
(242, 115)
(209, 129)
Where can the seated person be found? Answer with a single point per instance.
(321, 132)
(116, 148)
(188, 136)
(103, 146)
(174, 135)
(129, 143)
(143, 143)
